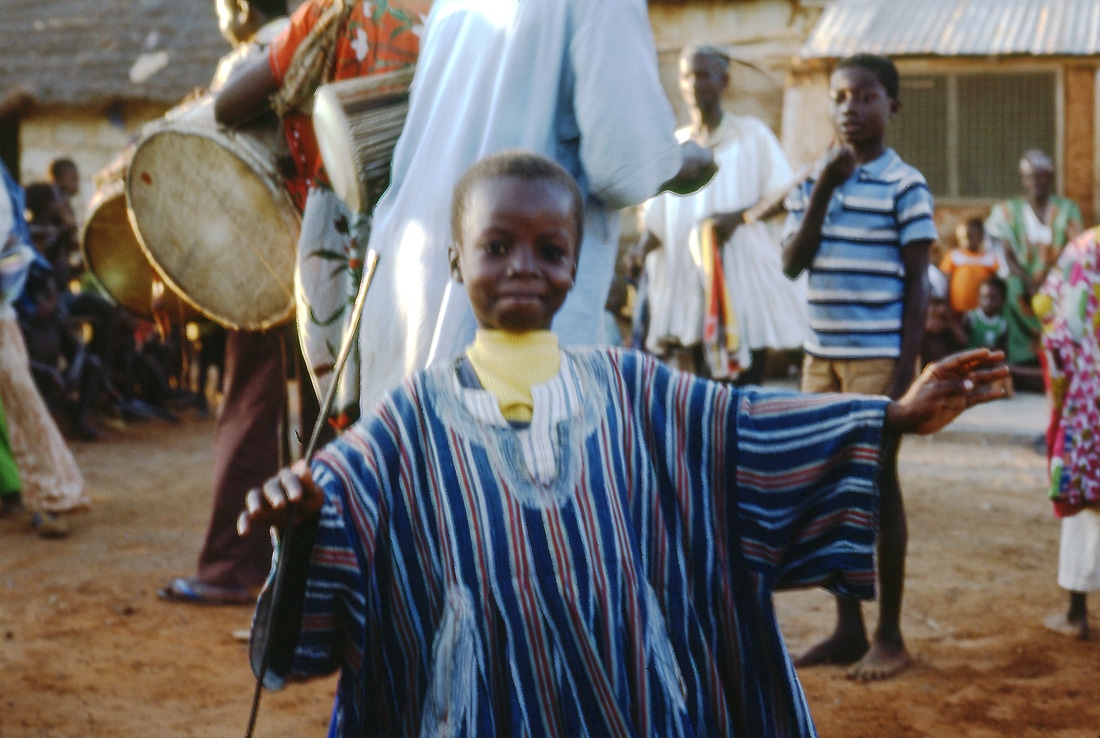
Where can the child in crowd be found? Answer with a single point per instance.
(862, 227)
(943, 334)
(967, 267)
(986, 325)
(534, 540)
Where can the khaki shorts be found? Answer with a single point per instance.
(862, 376)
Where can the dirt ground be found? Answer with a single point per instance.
(86, 648)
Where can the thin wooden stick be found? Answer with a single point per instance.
(346, 343)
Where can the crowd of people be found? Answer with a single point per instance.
(75, 364)
(982, 290)
(531, 529)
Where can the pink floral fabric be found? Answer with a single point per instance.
(1069, 307)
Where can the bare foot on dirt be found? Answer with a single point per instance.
(883, 661)
(836, 649)
(1062, 625)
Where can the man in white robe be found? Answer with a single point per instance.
(574, 80)
(770, 309)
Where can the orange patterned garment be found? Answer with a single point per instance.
(374, 38)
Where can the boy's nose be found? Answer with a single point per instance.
(522, 260)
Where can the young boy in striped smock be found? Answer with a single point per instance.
(862, 227)
(532, 540)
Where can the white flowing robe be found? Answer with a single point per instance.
(771, 309)
(574, 80)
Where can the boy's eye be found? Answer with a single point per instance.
(496, 247)
(860, 96)
(552, 253)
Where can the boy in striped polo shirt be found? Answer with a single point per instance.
(862, 226)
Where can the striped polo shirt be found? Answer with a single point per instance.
(856, 278)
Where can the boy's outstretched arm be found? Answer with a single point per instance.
(945, 389)
(799, 250)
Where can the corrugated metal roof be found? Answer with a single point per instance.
(956, 28)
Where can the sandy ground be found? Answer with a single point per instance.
(86, 649)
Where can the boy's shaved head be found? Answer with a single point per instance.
(523, 165)
(880, 66)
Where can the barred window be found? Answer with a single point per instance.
(965, 131)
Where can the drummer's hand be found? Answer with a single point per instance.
(946, 388)
(269, 505)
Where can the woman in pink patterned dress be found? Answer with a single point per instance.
(1069, 306)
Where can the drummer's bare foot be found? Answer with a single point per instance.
(1063, 625)
(882, 661)
(839, 648)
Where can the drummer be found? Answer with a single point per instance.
(325, 41)
(247, 438)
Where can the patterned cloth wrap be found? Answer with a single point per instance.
(1069, 307)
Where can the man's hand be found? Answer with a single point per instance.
(697, 169)
(726, 223)
(946, 388)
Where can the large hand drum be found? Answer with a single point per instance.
(212, 215)
(357, 122)
(112, 253)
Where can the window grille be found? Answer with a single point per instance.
(965, 132)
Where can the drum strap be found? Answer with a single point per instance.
(313, 60)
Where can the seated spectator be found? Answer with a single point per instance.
(943, 335)
(54, 233)
(69, 377)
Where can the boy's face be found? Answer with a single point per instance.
(860, 106)
(990, 300)
(938, 314)
(518, 254)
(975, 234)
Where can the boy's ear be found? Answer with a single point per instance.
(895, 106)
(453, 261)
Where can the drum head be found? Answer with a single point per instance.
(112, 253)
(216, 223)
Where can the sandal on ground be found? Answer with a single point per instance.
(193, 590)
(48, 525)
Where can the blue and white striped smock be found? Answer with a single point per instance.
(607, 571)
